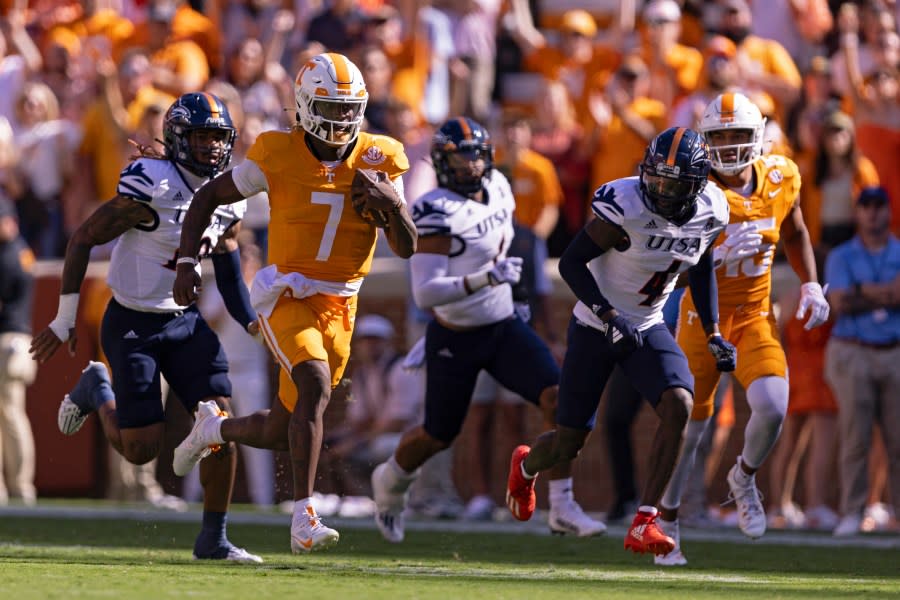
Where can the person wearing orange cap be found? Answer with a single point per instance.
(577, 60)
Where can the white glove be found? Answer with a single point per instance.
(812, 299)
(508, 270)
(744, 242)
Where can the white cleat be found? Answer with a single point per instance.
(198, 443)
(568, 517)
(236, 555)
(751, 515)
(309, 534)
(78, 404)
(676, 557)
(389, 507)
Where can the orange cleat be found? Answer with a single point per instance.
(520, 496)
(645, 535)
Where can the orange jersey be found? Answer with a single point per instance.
(777, 189)
(313, 228)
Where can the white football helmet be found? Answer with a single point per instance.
(331, 98)
(733, 111)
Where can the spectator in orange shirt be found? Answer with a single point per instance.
(532, 176)
(628, 119)
(125, 93)
(179, 66)
(764, 63)
(577, 60)
(674, 69)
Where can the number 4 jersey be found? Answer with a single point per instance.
(142, 267)
(638, 276)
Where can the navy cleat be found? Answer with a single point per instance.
(92, 390)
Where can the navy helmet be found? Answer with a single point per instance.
(199, 111)
(674, 172)
(463, 136)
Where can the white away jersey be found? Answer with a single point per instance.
(142, 267)
(637, 278)
(481, 234)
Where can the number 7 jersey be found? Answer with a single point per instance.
(313, 228)
(638, 276)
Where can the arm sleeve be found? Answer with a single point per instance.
(431, 286)
(232, 287)
(574, 270)
(249, 179)
(704, 290)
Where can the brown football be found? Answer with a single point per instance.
(372, 195)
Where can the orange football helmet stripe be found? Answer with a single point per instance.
(341, 71)
(673, 149)
(213, 105)
(464, 125)
(727, 113)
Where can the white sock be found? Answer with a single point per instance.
(648, 510)
(561, 491)
(216, 431)
(398, 479)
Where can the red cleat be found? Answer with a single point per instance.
(520, 496)
(645, 535)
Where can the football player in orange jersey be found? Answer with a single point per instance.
(762, 193)
(320, 249)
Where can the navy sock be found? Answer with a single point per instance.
(102, 395)
(212, 542)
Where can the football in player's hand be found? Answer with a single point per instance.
(373, 195)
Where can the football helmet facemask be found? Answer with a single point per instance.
(674, 172)
(455, 147)
(198, 134)
(331, 98)
(734, 112)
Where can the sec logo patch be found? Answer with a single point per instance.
(373, 155)
(776, 176)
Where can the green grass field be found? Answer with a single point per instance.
(43, 557)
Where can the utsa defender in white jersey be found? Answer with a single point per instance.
(622, 267)
(142, 268)
(144, 333)
(462, 273)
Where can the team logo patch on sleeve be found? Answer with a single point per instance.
(373, 155)
(776, 176)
